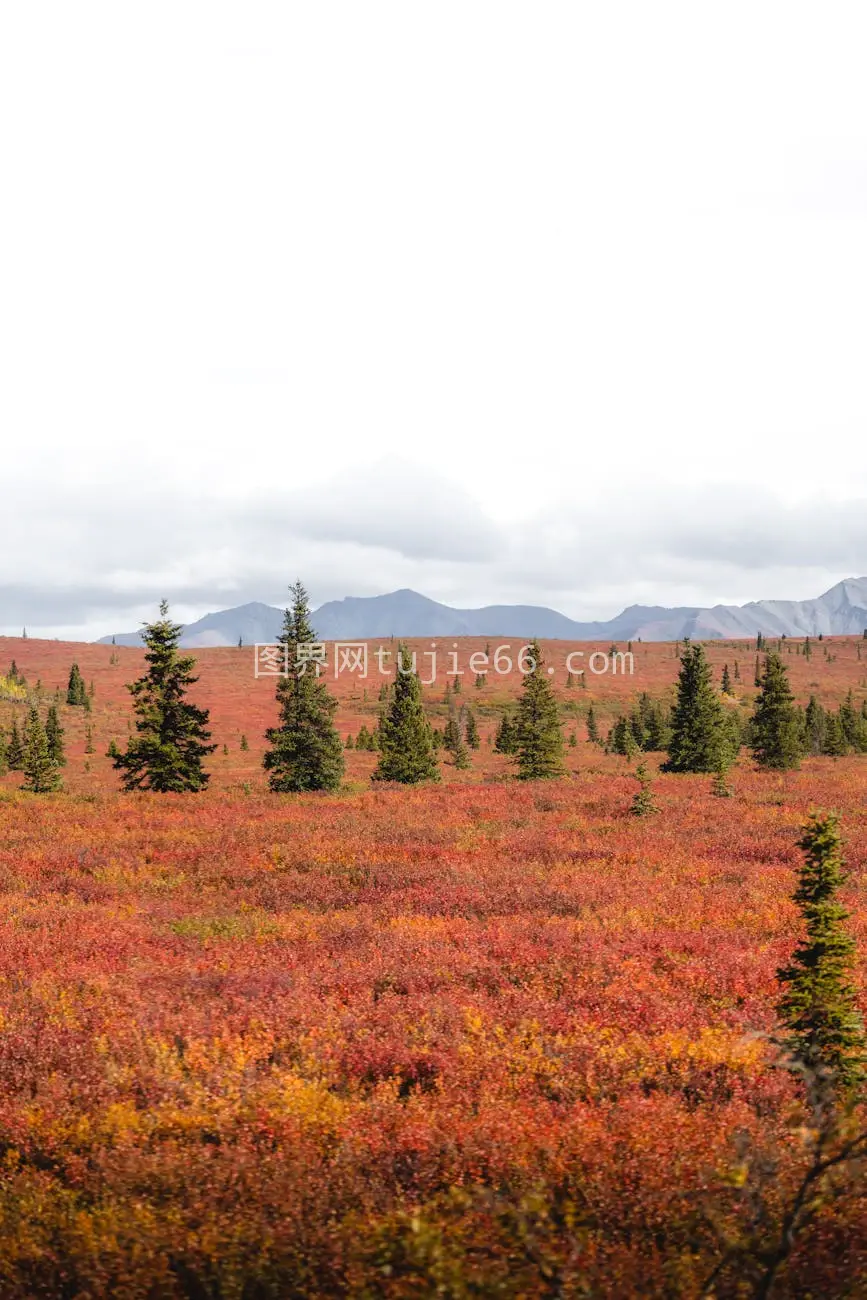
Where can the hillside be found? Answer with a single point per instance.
(242, 704)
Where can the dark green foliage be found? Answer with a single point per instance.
(815, 727)
(621, 739)
(15, 748)
(757, 675)
(538, 738)
(776, 737)
(306, 750)
(646, 727)
(171, 740)
(818, 1006)
(726, 683)
(700, 734)
(853, 730)
(245, 744)
(54, 736)
(643, 803)
(592, 726)
(76, 691)
(349, 743)
(471, 732)
(41, 774)
(505, 740)
(406, 743)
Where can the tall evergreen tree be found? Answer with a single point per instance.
(41, 775)
(592, 726)
(15, 749)
(171, 741)
(726, 683)
(76, 691)
(818, 1006)
(54, 736)
(406, 744)
(814, 727)
(699, 734)
(306, 751)
(538, 737)
(504, 741)
(775, 735)
(472, 730)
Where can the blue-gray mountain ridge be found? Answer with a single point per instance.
(840, 611)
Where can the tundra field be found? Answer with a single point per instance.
(483, 1038)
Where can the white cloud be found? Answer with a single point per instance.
(610, 256)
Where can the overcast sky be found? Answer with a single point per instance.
(560, 304)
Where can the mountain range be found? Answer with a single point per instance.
(840, 611)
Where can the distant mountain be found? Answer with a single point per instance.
(840, 611)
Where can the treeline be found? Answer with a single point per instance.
(647, 727)
(700, 732)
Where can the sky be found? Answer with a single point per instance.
(558, 304)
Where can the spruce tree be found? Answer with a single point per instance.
(775, 736)
(171, 741)
(472, 730)
(818, 1006)
(504, 741)
(538, 737)
(726, 683)
(15, 749)
(699, 732)
(592, 726)
(40, 770)
(406, 744)
(76, 691)
(54, 736)
(814, 727)
(306, 751)
(643, 803)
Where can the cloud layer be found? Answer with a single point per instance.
(392, 525)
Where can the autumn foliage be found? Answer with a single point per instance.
(482, 1038)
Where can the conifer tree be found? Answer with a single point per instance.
(504, 742)
(54, 736)
(699, 733)
(538, 737)
(171, 741)
(306, 750)
(472, 730)
(15, 749)
(40, 770)
(76, 691)
(406, 744)
(757, 675)
(643, 803)
(775, 736)
(592, 726)
(818, 1006)
(452, 732)
(726, 683)
(814, 727)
